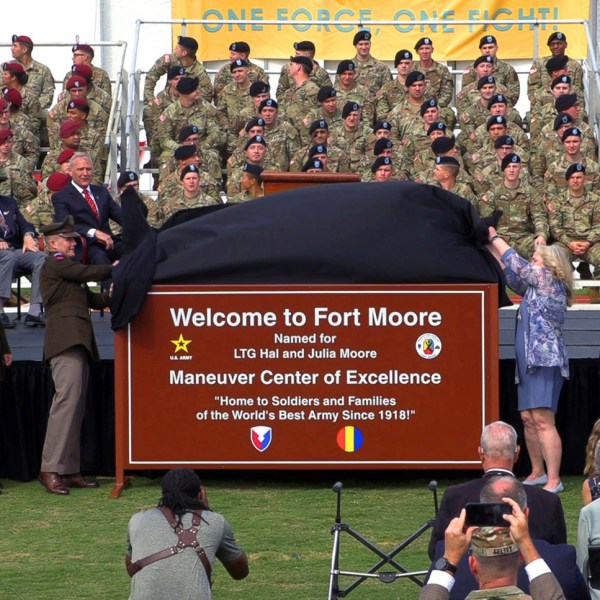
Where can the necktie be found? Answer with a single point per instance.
(92, 204)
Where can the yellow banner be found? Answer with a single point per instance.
(452, 41)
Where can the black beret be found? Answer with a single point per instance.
(320, 149)
(497, 120)
(380, 161)
(565, 101)
(349, 107)
(254, 170)
(326, 92)
(306, 46)
(238, 63)
(556, 63)
(187, 85)
(402, 55)
(175, 72)
(497, 99)
(561, 79)
(255, 122)
(382, 125)
(424, 41)
(485, 81)
(126, 177)
(414, 76)
(185, 132)
(483, 59)
(510, 158)
(431, 103)
(318, 124)
(189, 169)
(302, 60)
(503, 140)
(185, 152)
(443, 144)
(241, 47)
(446, 160)
(487, 39)
(557, 35)
(345, 65)
(381, 145)
(437, 126)
(361, 36)
(259, 87)
(188, 42)
(312, 163)
(574, 168)
(271, 102)
(256, 139)
(562, 119)
(571, 131)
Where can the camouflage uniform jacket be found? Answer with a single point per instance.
(469, 95)
(25, 144)
(153, 110)
(574, 218)
(319, 75)
(234, 181)
(554, 177)
(523, 210)
(97, 120)
(32, 108)
(201, 114)
(41, 82)
(347, 151)
(372, 74)
(297, 102)
(544, 114)
(160, 68)
(40, 210)
(360, 94)
(316, 115)
(243, 196)
(283, 141)
(232, 102)
(539, 79)
(179, 202)
(503, 74)
(391, 94)
(224, 78)
(170, 184)
(20, 183)
(486, 155)
(424, 164)
(440, 84)
(481, 137)
(491, 176)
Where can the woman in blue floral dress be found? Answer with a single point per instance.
(546, 284)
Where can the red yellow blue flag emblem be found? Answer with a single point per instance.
(350, 438)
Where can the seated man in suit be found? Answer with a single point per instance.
(91, 207)
(498, 452)
(560, 558)
(496, 555)
(19, 250)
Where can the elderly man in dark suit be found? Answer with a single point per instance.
(19, 249)
(498, 453)
(91, 207)
(68, 345)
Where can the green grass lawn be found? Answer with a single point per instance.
(73, 547)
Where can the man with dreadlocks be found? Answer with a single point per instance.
(172, 548)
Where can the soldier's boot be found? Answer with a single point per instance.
(584, 271)
(594, 296)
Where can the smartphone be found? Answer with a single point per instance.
(482, 514)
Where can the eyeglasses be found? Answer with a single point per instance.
(79, 54)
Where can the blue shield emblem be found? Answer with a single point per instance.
(261, 437)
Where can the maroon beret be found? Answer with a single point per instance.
(5, 134)
(64, 156)
(84, 48)
(69, 127)
(22, 39)
(58, 181)
(84, 71)
(77, 81)
(13, 96)
(13, 67)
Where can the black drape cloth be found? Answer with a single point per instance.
(23, 417)
(396, 232)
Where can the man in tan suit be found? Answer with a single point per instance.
(68, 345)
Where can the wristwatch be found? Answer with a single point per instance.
(443, 564)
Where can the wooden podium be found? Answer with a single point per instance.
(278, 181)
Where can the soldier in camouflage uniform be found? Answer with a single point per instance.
(254, 126)
(255, 154)
(259, 91)
(524, 222)
(370, 72)
(300, 99)
(19, 183)
(386, 148)
(330, 110)
(539, 78)
(57, 161)
(482, 67)
(381, 129)
(413, 130)
(574, 217)
(233, 100)
(381, 170)
(40, 211)
(83, 54)
(155, 214)
(445, 174)
(184, 55)
(347, 149)
(282, 138)
(237, 51)
(189, 195)
(251, 184)
(470, 94)
(25, 143)
(14, 76)
(318, 74)
(318, 134)
(555, 176)
(477, 112)
(424, 163)
(481, 136)
(190, 109)
(93, 92)
(349, 90)
(39, 76)
(440, 84)
(153, 110)
(393, 92)
(503, 72)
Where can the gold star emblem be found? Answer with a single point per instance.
(181, 344)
